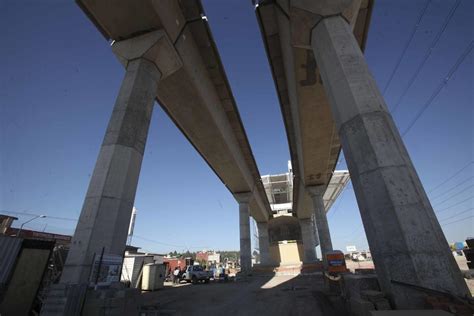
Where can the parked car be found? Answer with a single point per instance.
(195, 274)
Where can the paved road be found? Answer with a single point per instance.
(279, 295)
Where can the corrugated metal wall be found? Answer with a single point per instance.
(9, 249)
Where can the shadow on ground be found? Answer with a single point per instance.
(256, 295)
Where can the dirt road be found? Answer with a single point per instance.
(279, 295)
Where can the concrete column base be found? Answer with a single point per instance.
(63, 299)
(316, 193)
(264, 244)
(307, 234)
(113, 302)
(244, 225)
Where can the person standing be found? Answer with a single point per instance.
(176, 275)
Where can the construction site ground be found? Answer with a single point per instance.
(461, 260)
(257, 295)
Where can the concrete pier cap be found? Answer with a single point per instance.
(243, 197)
(155, 47)
(316, 190)
(304, 15)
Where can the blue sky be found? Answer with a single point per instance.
(59, 81)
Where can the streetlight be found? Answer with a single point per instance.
(21, 227)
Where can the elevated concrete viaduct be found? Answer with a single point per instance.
(169, 55)
(312, 135)
(173, 40)
(329, 98)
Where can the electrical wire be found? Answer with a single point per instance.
(166, 244)
(451, 177)
(459, 220)
(457, 214)
(440, 87)
(447, 208)
(449, 190)
(340, 201)
(47, 216)
(427, 54)
(454, 195)
(157, 242)
(75, 220)
(408, 43)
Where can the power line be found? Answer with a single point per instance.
(408, 43)
(440, 87)
(455, 187)
(459, 220)
(47, 216)
(157, 242)
(454, 195)
(427, 55)
(447, 208)
(166, 244)
(451, 177)
(340, 201)
(457, 214)
(75, 220)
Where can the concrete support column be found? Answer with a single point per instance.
(315, 230)
(316, 193)
(307, 234)
(264, 243)
(105, 215)
(405, 238)
(244, 224)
